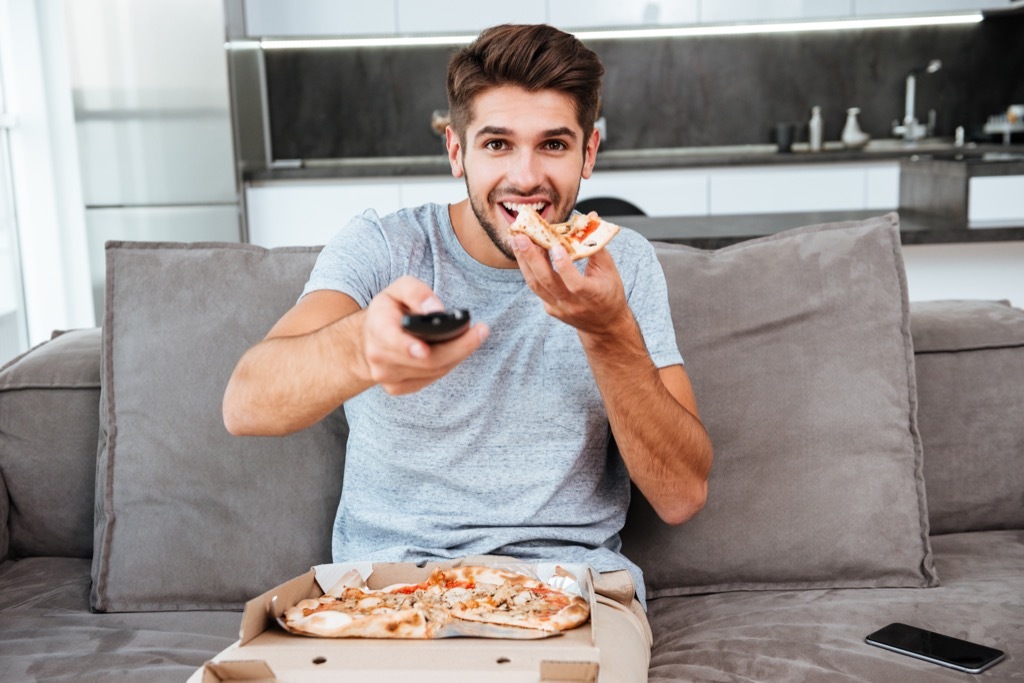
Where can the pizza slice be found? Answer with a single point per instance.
(503, 598)
(581, 236)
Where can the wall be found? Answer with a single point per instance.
(729, 90)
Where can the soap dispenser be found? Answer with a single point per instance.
(815, 130)
(853, 136)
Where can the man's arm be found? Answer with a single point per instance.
(325, 350)
(653, 413)
(653, 416)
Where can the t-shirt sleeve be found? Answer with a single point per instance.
(356, 261)
(648, 298)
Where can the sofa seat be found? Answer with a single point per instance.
(818, 635)
(756, 636)
(44, 608)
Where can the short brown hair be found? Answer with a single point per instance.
(533, 57)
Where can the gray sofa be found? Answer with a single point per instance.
(869, 468)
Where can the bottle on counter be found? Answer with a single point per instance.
(815, 130)
(853, 137)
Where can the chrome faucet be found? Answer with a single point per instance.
(911, 130)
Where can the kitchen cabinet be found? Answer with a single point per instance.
(417, 191)
(465, 16)
(712, 12)
(751, 189)
(286, 213)
(405, 17)
(301, 213)
(810, 187)
(618, 14)
(319, 18)
(670, 192)
(911, 7)
(282, 214)
(995, 201)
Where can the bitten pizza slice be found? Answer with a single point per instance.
(581, 236)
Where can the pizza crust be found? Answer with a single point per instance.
(582, 236)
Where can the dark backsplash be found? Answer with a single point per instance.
(666, 92)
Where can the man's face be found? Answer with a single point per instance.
(521, 148)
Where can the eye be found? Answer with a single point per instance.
(495, 145)
(555, 145)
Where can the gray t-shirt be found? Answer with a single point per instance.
(508, 453)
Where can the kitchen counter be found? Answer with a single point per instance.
(713, 232)
(637, 159)
(920, 222)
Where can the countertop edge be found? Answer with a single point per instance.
(714, 232)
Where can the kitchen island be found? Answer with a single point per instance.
(713, 232)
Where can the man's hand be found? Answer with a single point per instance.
(395, 359)
(325, 350)
(592, 302)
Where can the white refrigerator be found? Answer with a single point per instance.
(153, 123)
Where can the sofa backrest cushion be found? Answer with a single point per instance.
(798, 346)
(188, 516)
(970, 383)
(49, 410)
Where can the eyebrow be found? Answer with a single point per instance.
(564, 131)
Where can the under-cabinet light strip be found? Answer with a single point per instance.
(619, 34)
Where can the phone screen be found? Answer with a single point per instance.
(935, 647)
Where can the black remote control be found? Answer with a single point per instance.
(437, 327)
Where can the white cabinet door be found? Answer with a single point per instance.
(465, 16)
(285, 214)
(882, 186)
(417, 191)
(902, 7)
(290, 213)
(995, 201)
(318, 18)
(715, 11)
(771, 189)
(572, 14)
(670, 192)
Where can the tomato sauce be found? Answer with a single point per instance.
(581, 235)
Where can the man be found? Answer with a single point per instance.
(495, 443)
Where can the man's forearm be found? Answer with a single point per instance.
(284, 384)
(664, 445)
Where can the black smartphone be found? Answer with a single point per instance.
(936, 648)
(437, 327)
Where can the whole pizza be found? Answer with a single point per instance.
(448, 603)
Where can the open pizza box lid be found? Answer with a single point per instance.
(265, 652)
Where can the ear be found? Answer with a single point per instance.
(590, 155)
(454, 145)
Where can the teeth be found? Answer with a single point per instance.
(517, 208)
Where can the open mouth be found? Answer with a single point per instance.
(513, 209)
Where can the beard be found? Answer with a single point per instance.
(499, 236)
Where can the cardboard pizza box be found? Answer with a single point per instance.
(265, 652)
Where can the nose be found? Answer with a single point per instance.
(525, 170)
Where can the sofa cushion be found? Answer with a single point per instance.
(49, 420)
(798, 346)
(47, 632)
(970, 373)
(188, 516)
(819, 635)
